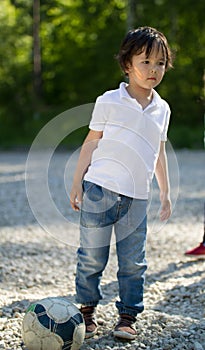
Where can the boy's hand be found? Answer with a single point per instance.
(76, 196)
(166, 207)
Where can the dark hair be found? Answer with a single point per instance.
(143, 39)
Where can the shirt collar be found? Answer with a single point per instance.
(123, 91)
(156, 101)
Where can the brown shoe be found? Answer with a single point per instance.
(91, 326)
(124, 329)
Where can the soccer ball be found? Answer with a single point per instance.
(53, 324)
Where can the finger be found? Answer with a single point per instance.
(164, 215)
(74, 205)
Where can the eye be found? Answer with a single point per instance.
(146, 62)
(161, 63)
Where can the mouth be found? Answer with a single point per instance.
(152, 78)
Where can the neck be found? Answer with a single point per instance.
(143, 96)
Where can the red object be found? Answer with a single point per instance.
(199, 250)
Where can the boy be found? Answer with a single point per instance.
(123, 149)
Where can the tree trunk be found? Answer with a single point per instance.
(131, 8)
(37, 70)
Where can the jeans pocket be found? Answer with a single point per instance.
(92, 191)
(93, 205)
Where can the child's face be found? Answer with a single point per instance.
(146, 72)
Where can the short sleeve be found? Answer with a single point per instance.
(166, 123)
(98, 119)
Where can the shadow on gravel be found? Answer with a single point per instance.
(164, 275)
(36, 265)
(187, 303)
(181, 299)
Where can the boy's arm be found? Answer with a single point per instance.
(162, 176)
(84, 160)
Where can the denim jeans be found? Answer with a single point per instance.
(102, 210)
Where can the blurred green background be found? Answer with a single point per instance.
(58, 54)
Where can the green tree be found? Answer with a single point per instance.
(15, 48)
(87, 36)
(75, 43)
(184, 27)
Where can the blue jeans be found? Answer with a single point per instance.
(101, 211)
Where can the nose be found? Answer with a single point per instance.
(153, 69)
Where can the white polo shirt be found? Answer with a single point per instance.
(126, 156)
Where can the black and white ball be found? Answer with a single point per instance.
(53, 324)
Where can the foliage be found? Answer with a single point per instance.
(79, 39)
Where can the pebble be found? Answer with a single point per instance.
(34, 265)
(198, 346)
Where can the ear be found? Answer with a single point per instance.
(128, 67)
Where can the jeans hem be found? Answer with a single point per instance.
(87, 303)
(128, 311)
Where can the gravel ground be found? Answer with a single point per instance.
(35, 263)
